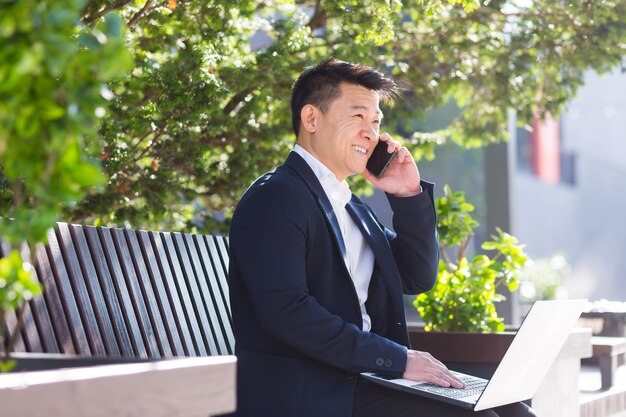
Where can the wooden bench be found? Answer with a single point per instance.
(607, 350)
(120, 294)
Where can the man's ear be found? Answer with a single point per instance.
(308, 117)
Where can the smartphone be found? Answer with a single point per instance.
(380, 159)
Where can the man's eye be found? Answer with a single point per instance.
(360, 116)
(376, 122)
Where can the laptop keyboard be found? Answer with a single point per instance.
(473, 386)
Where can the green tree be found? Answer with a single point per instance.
(205, 108)
(53, 92)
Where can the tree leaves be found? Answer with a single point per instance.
(52, 70)
(213, 79)
(55, 69)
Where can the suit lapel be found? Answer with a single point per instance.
(372, 232)
(361, 215)
(376, 238)
(302, 169)
(369, 226)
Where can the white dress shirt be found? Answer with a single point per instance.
(360, 262)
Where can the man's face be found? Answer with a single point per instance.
(346, 135)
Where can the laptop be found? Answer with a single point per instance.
(524, 365)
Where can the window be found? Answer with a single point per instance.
(539, 153)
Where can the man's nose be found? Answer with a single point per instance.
(370, 132)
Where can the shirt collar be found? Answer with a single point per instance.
(337, 191)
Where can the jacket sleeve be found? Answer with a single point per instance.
(267, 241)
(415, 244)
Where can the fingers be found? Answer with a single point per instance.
(394, 145)
(422, 366)
(443, 378)
(403, 154)
(452, 380)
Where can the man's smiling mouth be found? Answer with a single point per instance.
(359, 149)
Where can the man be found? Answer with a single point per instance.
(316, 281)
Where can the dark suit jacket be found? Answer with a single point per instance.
(296, 315)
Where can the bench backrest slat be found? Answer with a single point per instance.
(80, 292)
(69, 301)
(216, 294)
(194, 291)
(126, 293)
(60, 340)
(219, 258)
(41, 338)
(133, 284)
(110, 294)
(185, 294)
(218, 250)
(205, 293)
(103, 341)
(152, 302)
(11, 321)
(163, 296)
(127, 304)
(222, 272)
(176, 297)
(38, 331)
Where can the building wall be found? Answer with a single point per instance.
(585, 220)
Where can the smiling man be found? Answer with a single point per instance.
(316, 281)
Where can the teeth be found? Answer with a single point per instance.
(359, 149)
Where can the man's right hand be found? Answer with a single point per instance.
(422, 366)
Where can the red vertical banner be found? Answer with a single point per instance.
(546, 149)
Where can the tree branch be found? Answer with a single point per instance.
(236, 99)
(87, 20)
(18, 195)
(157, 133)
(463, 249)
(319, 17)
(444, 252)
(133, 21)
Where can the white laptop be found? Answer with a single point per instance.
(518, 376)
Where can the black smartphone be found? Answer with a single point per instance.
(380, 159)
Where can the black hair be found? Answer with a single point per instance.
(319, 85)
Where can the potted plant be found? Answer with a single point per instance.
(466, 291)
(462, 327)
(462, 305)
